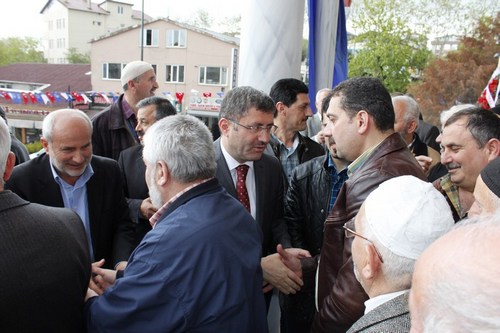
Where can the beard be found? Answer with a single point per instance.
(154, 192)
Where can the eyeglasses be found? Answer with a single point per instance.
(350, 233)
(255, 129)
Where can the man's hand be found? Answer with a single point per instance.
(291, 258)
(93, 284)
(278, 275)
(147, 209)
(102, 278)
(425, 162)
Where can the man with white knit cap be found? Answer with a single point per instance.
(395, 224)
(114, 126)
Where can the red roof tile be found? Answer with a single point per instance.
(59, 76)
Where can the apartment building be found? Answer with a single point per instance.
(194, 63)
(72, 24)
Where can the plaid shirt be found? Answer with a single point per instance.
(289, 157)
(451, 192)
(156, 216)
(336, 181)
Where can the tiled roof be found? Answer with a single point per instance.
(59, 76)
(83, 5)
(213, 34)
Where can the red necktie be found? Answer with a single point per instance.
(241, 187)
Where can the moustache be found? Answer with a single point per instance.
(451, 166)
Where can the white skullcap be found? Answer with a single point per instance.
(134, 69)
(407, 214)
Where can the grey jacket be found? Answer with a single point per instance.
(392, 316)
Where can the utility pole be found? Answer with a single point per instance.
(142, 31)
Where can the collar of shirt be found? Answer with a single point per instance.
(357, 163)
(331, 165)
(376, 301)
(452, 193)
(81, 181)
(156, 216)
(231, 162)
(127, 110)
(410, 146)
(294, 146)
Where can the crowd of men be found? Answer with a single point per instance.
(139, 221)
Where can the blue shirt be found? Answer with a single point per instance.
(75, 198)
(336, 180)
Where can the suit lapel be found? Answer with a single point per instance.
(95, 193)
(51, 190)
(223, 173)
(261, 180)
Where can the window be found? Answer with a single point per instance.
(175, 73)
(176, 38)
(120, 10)
(60, 23)
(213, 75)
(150, 37)
(112, 71)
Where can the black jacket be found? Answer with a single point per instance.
(306, 150)
(306, 204)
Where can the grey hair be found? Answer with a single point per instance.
(50, 119)
(412, 111)
(444, 115)
(397, 270)
(239, 100)
(5, 141)
(327, 90)
(184, 144)
(464, 294)
(483, 125)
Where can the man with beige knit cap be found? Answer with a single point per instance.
(114, 126)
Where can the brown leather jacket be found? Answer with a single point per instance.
(340, 296)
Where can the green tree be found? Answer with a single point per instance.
(74, 57)
(230, 26)
(386, 46)
(15, 50)
(201, 19)
(460, 76)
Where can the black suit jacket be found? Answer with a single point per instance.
(110, 225)
(135, 187)
(428, 134)
(269, 188)
(45, 267)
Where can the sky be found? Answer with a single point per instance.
(22, 18)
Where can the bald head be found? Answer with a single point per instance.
(66, 138)
(455, 285)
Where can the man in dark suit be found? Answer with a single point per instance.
(68, 175)
(149, 110)
(44, 259)
(246, 120)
